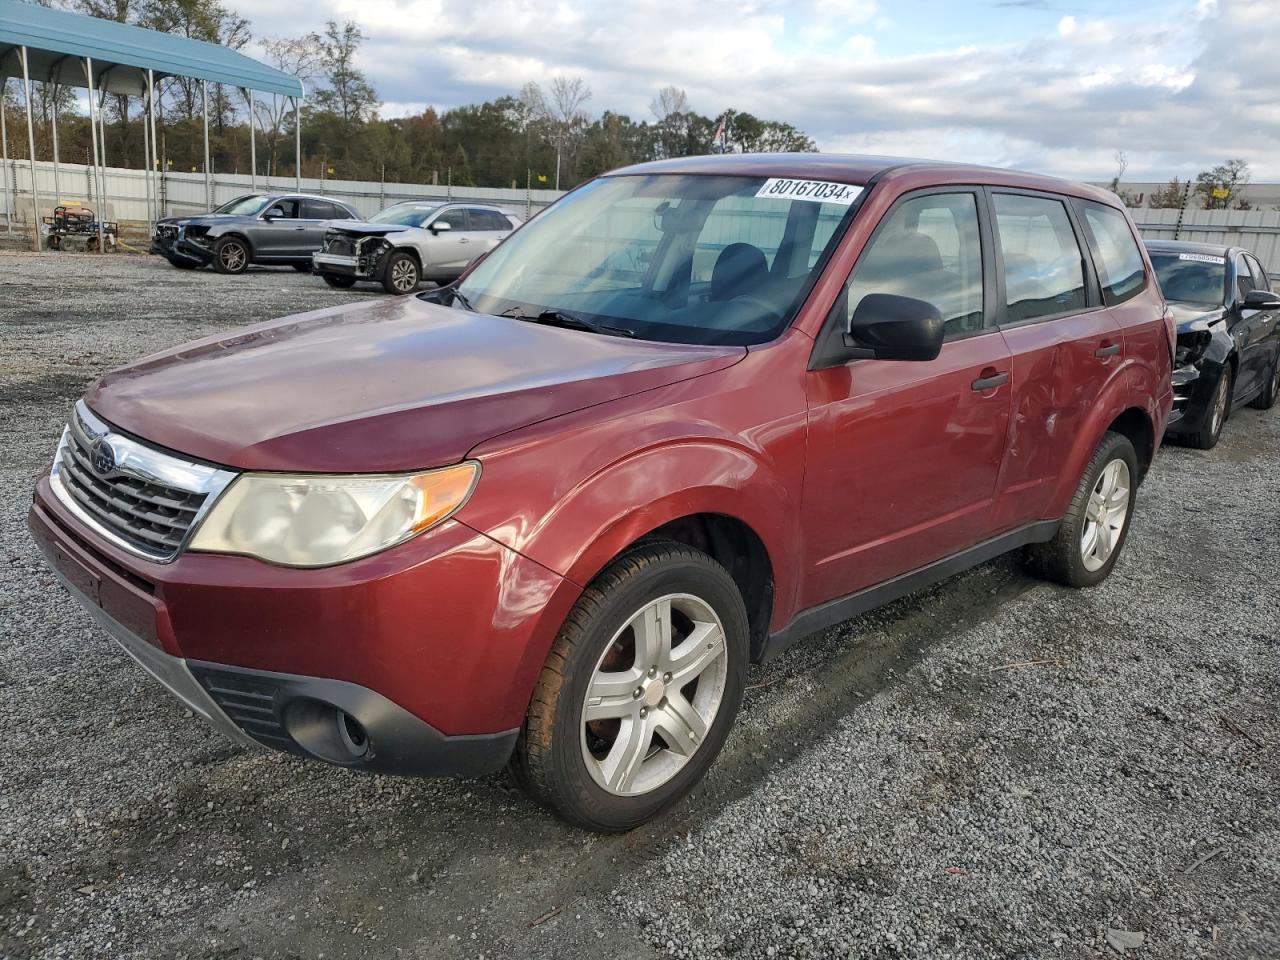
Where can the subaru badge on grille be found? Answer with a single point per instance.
(104, 458)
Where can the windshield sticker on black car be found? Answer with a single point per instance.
(1202, 258)
(816, 191)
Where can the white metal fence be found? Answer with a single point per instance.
(1256, 230)
(184, 193)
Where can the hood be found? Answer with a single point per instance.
(391, 386)
(1189, 317)
(360, 228)
(206, 219)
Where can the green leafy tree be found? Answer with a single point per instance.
(347, 92)
(1223, 184)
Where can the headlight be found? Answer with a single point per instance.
(1191, 346)
(309, 520)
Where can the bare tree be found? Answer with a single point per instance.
(668, 101)
(300, 57)
(568, 94)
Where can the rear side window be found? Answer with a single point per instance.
(487, 220)
(1043, 268)
(929, 248)
(324, 210)
(1115, 253)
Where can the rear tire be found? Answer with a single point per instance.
(1215, 418)
(1271, 392)
(400, 273)
(338, 281)
(636, 629)
(1075, 556)
(231, 255)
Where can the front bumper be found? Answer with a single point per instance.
(1193, 386)
(431, 648)
(338, 264)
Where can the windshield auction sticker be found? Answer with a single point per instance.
(1202, 258)
(816, 191)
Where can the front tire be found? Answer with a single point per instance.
(181, 264)
(338, 281)
(1215, 418)
(231, 255)
(301, 267)
(1096, 524)
(639, 691)
(400, 273)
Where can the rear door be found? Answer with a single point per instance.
(487, 229)
(316, 213)
(904, 456)
(1065, 343)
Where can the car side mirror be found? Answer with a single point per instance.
(439, 226)
(1261, 300)
(886, 326)
(275, 213)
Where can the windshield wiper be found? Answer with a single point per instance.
(457, 296)
(559, 318)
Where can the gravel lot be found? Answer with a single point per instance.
(991, 768)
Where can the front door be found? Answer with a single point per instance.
(904, 456)
(448, 251)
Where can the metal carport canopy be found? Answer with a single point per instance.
(122, 54)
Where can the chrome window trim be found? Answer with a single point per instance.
(147, 464)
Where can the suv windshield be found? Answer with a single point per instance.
(673, 257)
(1197, 279)
(404, 216)
(244, 206)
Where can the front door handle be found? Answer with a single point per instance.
(1107, 349)
(990, 378)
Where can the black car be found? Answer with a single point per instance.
(266, 228)
(1228, 349)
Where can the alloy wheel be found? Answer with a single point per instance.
(654, 695)
(232, 256)
(404, 275)
(1220, 403)
(1105, 515)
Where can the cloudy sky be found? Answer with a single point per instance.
(1052, 85)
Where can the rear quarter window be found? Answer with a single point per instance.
(1115, 253)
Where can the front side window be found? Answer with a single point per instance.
(1115, 252)
(676, 257)
(1260, 279)
(286, 209)
(928, 248)
(1043, 267)
(1196, 279)
(456, 219)
(1244, 281)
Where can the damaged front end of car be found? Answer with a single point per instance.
(347, 254)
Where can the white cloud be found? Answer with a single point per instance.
(1174, 92)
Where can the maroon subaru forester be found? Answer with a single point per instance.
(545, 517)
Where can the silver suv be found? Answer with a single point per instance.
(410, 242)
(266, 228)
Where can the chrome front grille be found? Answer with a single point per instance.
(140, 498)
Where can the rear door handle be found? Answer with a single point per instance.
(990, 378)
(1107, 350)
